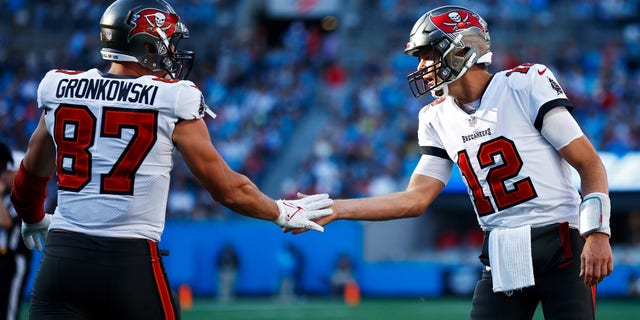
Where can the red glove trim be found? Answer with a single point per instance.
(28, 195)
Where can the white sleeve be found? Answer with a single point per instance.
(545, 92)
(44, 90)
(190, 102)
(560, 128)
(435, 167)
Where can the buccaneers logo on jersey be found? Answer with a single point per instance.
(555, 86)
(456, 21)
(149, 21)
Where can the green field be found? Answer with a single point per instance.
(368, 309)
(378, 309)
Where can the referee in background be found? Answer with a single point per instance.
(15, 257)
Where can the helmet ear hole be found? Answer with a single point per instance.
(462, 52)
(150, 48)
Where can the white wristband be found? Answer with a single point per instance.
(595, 211)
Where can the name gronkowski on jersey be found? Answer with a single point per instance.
(514, 177)
(114, 148)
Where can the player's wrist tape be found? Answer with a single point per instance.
(595, 212)
(28, 195)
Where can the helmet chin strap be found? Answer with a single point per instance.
(443, 90)
(485, 58)
(440, 92)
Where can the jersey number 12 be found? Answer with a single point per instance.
(504, 197)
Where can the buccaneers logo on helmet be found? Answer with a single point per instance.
(456, 20)
(149, 20)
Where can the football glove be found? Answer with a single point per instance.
(296, 214)
(35, 234)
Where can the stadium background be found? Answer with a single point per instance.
(311, 96)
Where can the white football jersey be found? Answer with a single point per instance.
(113, 138)
(514, 176)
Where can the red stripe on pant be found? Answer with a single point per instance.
(163, 289)
(593, 298)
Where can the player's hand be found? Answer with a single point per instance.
(323, 221)
(596, 259)
(295, 214)
(35, 234)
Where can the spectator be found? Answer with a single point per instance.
(228, 264)
(342, 275)
(15, 257)
(289, 263)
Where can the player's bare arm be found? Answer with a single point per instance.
(225, 185)
(235, 190)
(29, 188)
(410, 203)
(597, 257)
(41, 150)
(581, 155)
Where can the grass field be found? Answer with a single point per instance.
(378, 309)
(368, 309)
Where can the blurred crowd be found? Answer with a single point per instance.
(262, 84)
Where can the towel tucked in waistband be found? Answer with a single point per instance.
(510, 256)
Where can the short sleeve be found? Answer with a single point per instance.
(190, 103)
(545, 94)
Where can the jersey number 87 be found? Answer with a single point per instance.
(75, 133)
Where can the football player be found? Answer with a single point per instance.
(109, 138)
(513, 138)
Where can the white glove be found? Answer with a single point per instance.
(32, 232)
(296, 214)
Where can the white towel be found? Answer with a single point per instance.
(510, 258)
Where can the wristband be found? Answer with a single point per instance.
(595, 212)
(28, 195)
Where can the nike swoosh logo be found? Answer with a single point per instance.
(294, 214)
(541, 72)
(298, 209)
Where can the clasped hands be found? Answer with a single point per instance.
(300, 213)
(294, 214)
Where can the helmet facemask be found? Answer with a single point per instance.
(450, 60)
(164, 54)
